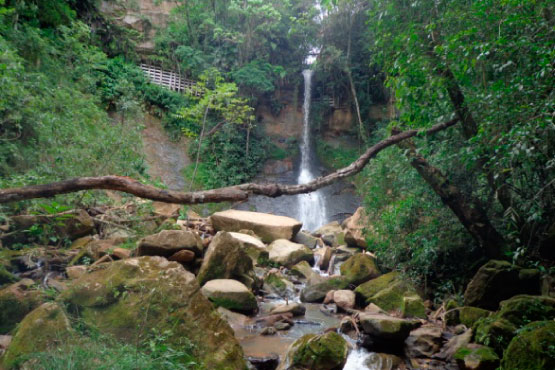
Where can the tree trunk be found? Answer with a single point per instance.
(231, 193)
(467, 209)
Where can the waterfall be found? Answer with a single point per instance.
(312, 209)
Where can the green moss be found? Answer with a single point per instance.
(532, 349)
(16, 301)
(413, 307)
(494, 332)
(372, 287)
(523, 309)
(319, 352)
(469, 315)
(482, 355)
(359, 268)
(6, 277)
(231, 304)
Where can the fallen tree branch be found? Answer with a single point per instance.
(226, 194)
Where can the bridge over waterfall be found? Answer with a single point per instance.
(170, 80)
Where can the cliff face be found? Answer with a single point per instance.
(143, 16)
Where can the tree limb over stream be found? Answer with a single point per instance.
(226, 194)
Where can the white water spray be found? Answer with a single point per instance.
(312, 208)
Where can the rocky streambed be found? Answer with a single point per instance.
(251, 289)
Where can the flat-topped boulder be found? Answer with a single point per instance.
(253, 246)
(230, 294)
(287, 253)
(387, 328)
(269, 227)
(168, 242)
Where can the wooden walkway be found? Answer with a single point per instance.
(170, 80)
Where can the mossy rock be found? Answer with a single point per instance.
(316, 292)
(388, 292)
(276, 284)
(6, 277)
(494, 332)
(359, 269)
(317, 352)
(387, 328)
(532, 349)
(44, 328)
(413, 306)
(302, 270)
(130, 299)
(523, 309)
(16, 301)
(477, 357)
(465, 315)
(499, 280)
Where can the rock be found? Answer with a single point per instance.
(167, 210)
(269, 227)
(168, 242)
(137, 296)
(387, 328)
(225, 258)
(183, 256)
(303, 270)
(268, 330)
(253, 246)
(499, 280)
(296, 309)
(389, 292)
(5, 341)
(287, 253)
(383, 361)
(498, 329)
(466, 315)
(359, 268)
(121, 253)
(230, 294)
(75, 272)
(71, 224)
(453, 344)
(317, 352)
(282, 325)
(316, 290)
(42, 329)
(532, 348)
(276, 284)
(322, 257)
(477, 357)
(372, 308)
(234, 319)
(344, 299)
(6, 277)
(16, 301)
(354, 227)
(264, 363)
(331, 234)
(306, 239)
(424, 342)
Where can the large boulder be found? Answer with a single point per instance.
(303, 270)
(425, 341)
(287, 253)
(317, 352)
(253, 246)
(44, 328)
(359, 268)
(532, 348)
(387, 328)
(392, 293)
(269, 227)
(134, 297)
(316, 289)
(168, 242)
(226, 258)
(16, 301)
(230, 294)
(306, 239)
(354, 227)
(499, 280)
(477, 357)
(343, 298)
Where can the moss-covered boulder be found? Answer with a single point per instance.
(359, 268)
(317, 352)
(494, 332)
(6, 277)
(269, 227)
(303, 270)
(499, 280)
(466, 315)
(332, 234)
(476, 357)
(387, 328)
(532, 349)
(132, 298)
(287, 253)
(306, 239)
(275, 283)
(16, 301)
(169, 242)
(44, 328)
(70, 224)
(253, 246)
(226, 258)
(391, 293)
(230, 294)
(316, 289)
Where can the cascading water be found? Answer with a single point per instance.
(312, 207)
